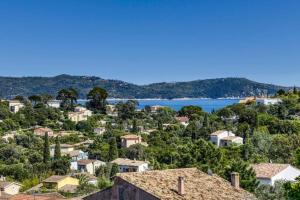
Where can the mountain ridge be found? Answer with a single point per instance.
(202, 88)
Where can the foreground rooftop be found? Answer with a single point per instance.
(198, 185)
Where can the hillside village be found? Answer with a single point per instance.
(55, 148)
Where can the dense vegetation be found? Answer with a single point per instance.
(271, 133)
(211, 88)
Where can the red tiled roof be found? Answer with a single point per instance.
(268, 170)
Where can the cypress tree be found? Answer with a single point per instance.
(46, 154)
(113, 149)
(57, 153)
(206, 121)
(134, 126)
(295, 90)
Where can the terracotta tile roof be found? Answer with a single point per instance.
(230, 138)
(54, 179)
(128, 162)
(44, 129)
(63, 145)
(69, 188)
(53, 196)
(218, 132)
(198, 185)
(85, 161)
(131, 136)
(4, 184)
(73, 153)
(268, 170)
(182, 119)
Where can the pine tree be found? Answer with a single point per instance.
(46, 149)
(57, 152)
(113, 149)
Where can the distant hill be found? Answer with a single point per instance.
(209, 88)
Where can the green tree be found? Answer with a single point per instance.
(292, 190)
(68, 98)
(97, 99)
(73, 95)
(297, 157)
(113, 149)
(126, 110)
(46, 154)
(281, 92)
(189, 111)
(61, 166)
(268, 192)
(35, 99)
(248, 179)
(57, 152)
(45, 98)
(134, 126)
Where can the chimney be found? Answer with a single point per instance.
(181, 185)
(235, 179)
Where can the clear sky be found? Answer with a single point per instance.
(152, 41)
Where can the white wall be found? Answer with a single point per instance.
(216, 138)
(143, 167)
(288, 174)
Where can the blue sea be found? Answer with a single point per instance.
(176, 104)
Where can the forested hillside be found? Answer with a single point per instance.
(210, 88)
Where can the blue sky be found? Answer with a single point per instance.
(152, 41)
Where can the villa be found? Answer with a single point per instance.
(224, 138)
(64, 149)
(54, 103)
(80, 114)
(89, 166)
(41, 131)
(127, 165)
(61, 183)
(269, 173)
(15, 106)
(268, 101)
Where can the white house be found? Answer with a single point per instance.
(80, 114)
(99, 130)
(89, 166)
(54, 103)
(41, 131)
(131, 139)
(268, 101)
(15, 106)
(183, 120)
(10, 188)
(111, 110)
(64, 149)
(127, 165)
(223, 138)
(9, 136)
(155, 108)
(75, 156)
(269, 173)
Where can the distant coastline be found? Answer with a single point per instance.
(174, 99)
